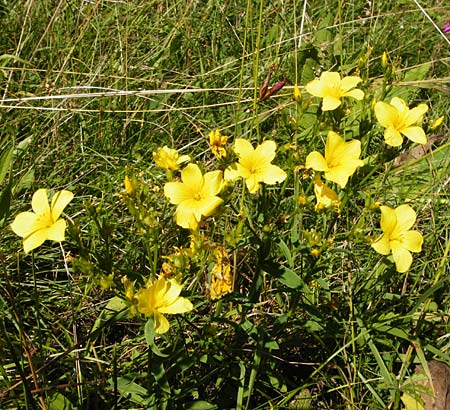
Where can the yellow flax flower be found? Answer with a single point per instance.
(398, 119)
(196, 195)
(332, 88)
(217, 142)
(326, 197)
(340, 161)
(44, 222)
(162, 297)
(169, 158)
(397, 236)
(255, 164)
(222, 279)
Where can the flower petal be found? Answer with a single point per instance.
(161, 324)
(316, 161)
(273, 174)
(347, 83)
(415, 134)
(56, 232)
(212, 183)
(177, 192)
(357, 94)
(405, 216)
(59, 202)
(179, 305)
(392, 137)
(24, 224)
(265, 152)
(330, 103)
(416, 114)
(243, 148)
(315, 87)
(381, 245)
(34, 240)
(388, 219)
(385, 113)
(402, 258)
(39, 202)
(413, 241)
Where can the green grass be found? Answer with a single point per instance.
(89, 90)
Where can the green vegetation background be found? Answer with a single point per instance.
(89, 89)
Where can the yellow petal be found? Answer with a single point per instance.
(56, 232)
(381, 245)
(316, 161)
(232, 172)
(243, 148)
(347, 83)
(392, 137)
(406, 217)
(402, 258)
(59, 202)
(24, 224)
(315, 87)
(177, 192)
(192, 177)
(330, 103)
(273, 174)
(39, 202)
(339, 174)
(416, 114)
(265, 152)
(413, 241)
(415, 134)
(161, 323)
(186, 218)
(212, 183)
(179, 305)
(34, 240)
(208, 206)
(388, 219)
(385, 113)
(357, 94)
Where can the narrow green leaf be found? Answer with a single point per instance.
(149, 332)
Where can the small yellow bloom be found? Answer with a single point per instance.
(297, 93)
(44, 222)
(315, 252)
(196, 195)
(340, 161)
(222, 279)
(162, 297)
(129, 185)
(332, 88)
(217, 142)
(255, 164)
(437, 122)
(398, 119)
(397, 236)
(325, 196)
(169, 158)
(384, 60)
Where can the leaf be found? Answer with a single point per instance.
(5, 162)
(115, 309)
(59, 402)
(149, 332)
(131, 390)
(200, 405)
(285, 275)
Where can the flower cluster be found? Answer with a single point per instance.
(200, 194)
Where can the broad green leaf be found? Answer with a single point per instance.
(200, 405)
(131, 390)
(59, 402)
(411, 403)
(115, 308)
(149, 333)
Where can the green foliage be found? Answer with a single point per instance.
(311, 316)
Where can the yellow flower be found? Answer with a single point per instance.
(255, 164)
(398, 119)
(129, 185)
(216, 142)
(341, 159)
(436, 123)
(325, 196)
(195, 196)
(169, 158)
(297, 93)
(222, 280)
(397, 236)
(162, 297)
(44, 222)
(332, 88)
